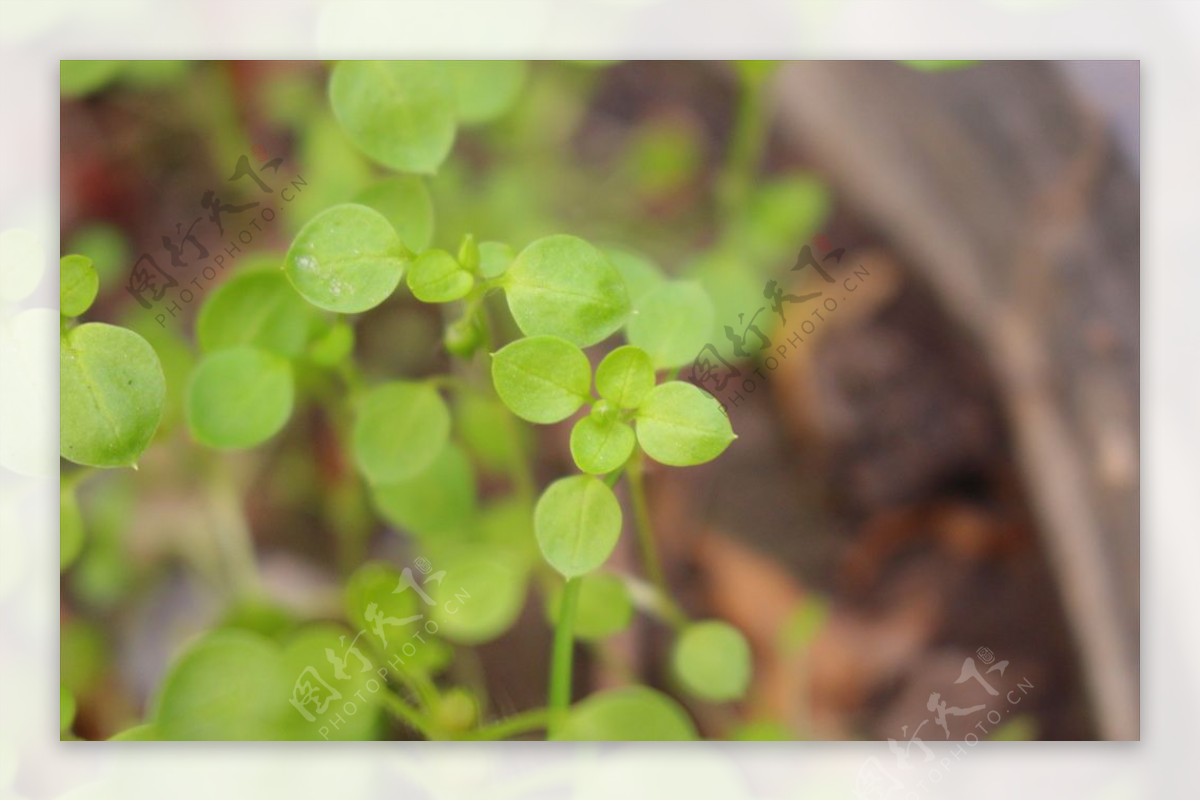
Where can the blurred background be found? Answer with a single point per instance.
(943, 471)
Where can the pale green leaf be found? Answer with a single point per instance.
(542, 379)
(629, 713)
(436, 277)
(625, 376)
(679, 424)
(562, 286)
(111, 395)
(577, 522)
(257, 308)
(439, 498)
(400, 428)
(480, 596)
(711, 659)
(401, 113)
(605, 606)
(494, 258)
(347, 259)
(672, 323)
(239, 397)
(484, 90)
(600, 443)
(78, 284)
(404, 200)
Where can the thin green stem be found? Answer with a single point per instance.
(532, 720)
(407, 713)
(745, 147)
(646, 541)
(562, 657)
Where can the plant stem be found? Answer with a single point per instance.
(411, 717)
(646, 542)
(745, 147)
(560, 665)
(520, 723)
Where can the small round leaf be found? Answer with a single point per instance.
(436, 277)
(542, 379)
(561, 285)
(401, 427)
(229, 685)
(577, 522)
(400, 113)
(483, 90)
(112, 393)
(625, 376)
(480, 596)
(712, 660)
(630, 713)
(439, 498)
(672, 323)
(494, 258)
(78, 284)
(601, 443)
(257, 308)
(239, 397)
(679, 424)
(605, 606)
(404, 200)
(347, 259)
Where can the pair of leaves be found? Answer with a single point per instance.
(544, 379)
(404, 114)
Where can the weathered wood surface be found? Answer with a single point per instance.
(1009, 197)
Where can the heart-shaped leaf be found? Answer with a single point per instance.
(436, 277)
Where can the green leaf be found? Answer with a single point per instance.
(228, 685)
(484, 90)
(334, 346)
(399, 430)
(70, 529)
(487, 428)
(400, 113)
(600, 443)
(577, 522)
(629, 713)
(712, 661)
(239, 397)
(347, 259)
(679, 424)
(508, 524)
(78, 284)
(105, 245)
(625, 376)
(111, 390)
(436, 277)
(257, 308)
(672, 323)
(640, 274)
(605, 606)
(404, 200)
(356, 714)
(439, 498)
(562, 286)
(494, 258)
(542, 379)
(375, 583)
(480, 596)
